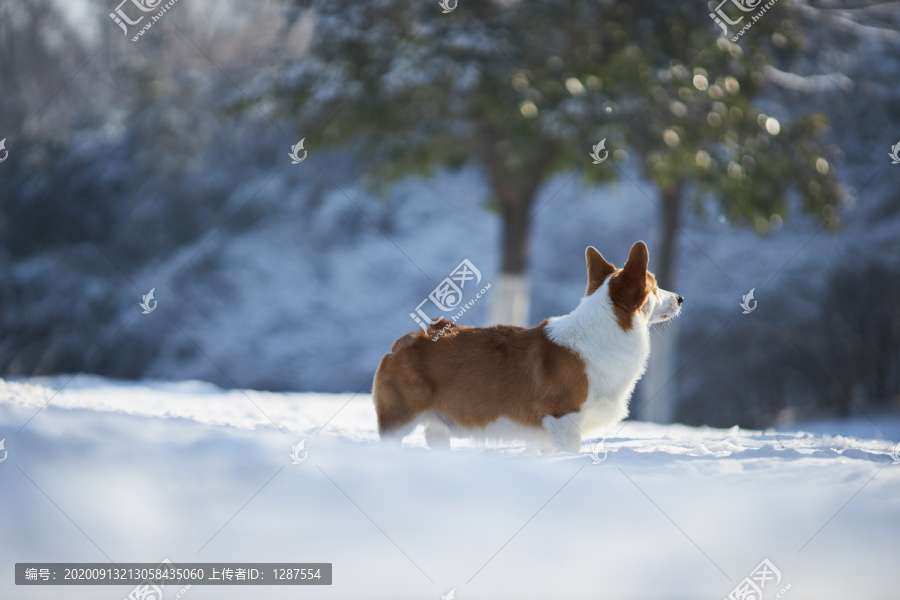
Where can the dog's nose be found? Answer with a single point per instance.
(680, 300)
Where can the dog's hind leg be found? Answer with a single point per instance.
(437, 433)
(565, 434)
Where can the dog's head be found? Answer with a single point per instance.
(632, 289)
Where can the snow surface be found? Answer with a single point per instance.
(137, 472)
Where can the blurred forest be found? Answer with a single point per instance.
(163, 164)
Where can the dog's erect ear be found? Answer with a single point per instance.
(598, 269)
(635, 269)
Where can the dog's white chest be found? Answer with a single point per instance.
(614, 359)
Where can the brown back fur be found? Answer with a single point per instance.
(474, 375)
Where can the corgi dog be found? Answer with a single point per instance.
(551, 385)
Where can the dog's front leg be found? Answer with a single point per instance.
(565, 432)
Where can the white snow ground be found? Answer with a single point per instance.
(136, 472)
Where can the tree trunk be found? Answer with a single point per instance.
(511, 300)
(670, 213)
(657, 400)
(515, 179)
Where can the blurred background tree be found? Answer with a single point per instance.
(519, 93)
(700, 135)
